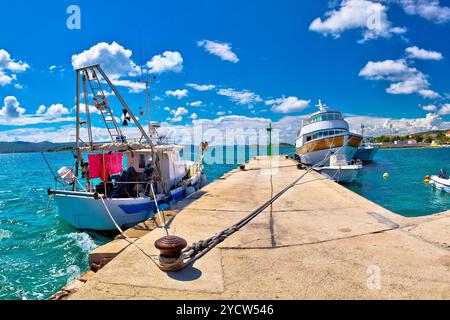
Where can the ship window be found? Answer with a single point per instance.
(308, 138)
(141, 161)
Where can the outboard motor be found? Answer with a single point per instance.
(443, 174)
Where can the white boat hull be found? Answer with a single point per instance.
(90, 213)
(440, 184)
(345, 174)
(315, 157)
(366, 154)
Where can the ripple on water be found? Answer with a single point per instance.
(83, 240)
(5, 234)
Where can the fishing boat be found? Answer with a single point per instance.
(340, 169)
(324, 133)
(121, 182)
(440, 182)
(367, 151)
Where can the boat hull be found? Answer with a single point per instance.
(89, 213)
(340, 174)
(366, 154)
(440, 184)
(316, 151)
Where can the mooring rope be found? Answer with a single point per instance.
(126, 237)
(202, 247)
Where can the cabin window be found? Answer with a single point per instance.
(308, 138)
(142, 161)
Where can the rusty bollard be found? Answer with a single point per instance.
(170, 248)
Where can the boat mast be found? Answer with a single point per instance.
(77, 128)
(151, 130)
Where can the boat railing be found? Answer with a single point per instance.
(89, 188)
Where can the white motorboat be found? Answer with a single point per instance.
(325, 133)
(440, 182)
(366, 152)
(122, 182)
(340, 169)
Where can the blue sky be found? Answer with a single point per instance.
(383, 63)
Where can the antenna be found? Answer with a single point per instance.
(322, 106)
(151, 130)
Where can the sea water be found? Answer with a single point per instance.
(40, 253)
(405, 192)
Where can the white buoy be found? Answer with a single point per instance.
(386, 176)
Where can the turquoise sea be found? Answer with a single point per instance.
(39, 253)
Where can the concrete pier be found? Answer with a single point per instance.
(318, 241)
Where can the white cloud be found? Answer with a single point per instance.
(196, 104)
(288, 105)
(417, 53)
(13, 114)
(201, 87)
(428, 9)
(194, 116)
(168, 61)
(220, 113)
(445, 110)
(430, 108)
(179, 93)
(133, 87)
(56, 111)
(6, 79)
(41, 109)
(114, 59)
(9, 68)
(427, 93)
(177, 115)
(242, 126)
(220, 49)
(181, 111)
(55, 68)
(404, 79)
(369, 16)
(240, 97)
(11, 108)
(378, 125)
(7, 63)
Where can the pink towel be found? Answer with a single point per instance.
(114, 163)
(95, 165)
(100, 169)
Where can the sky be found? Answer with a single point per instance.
(228, 65)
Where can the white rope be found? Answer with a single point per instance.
(125, 236)
(161, 217)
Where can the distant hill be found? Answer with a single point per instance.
(22, 146)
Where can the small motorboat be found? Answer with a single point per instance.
(366, 152)
(440, 182)
(340, 169)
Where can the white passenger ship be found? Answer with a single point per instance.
(323, 134)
